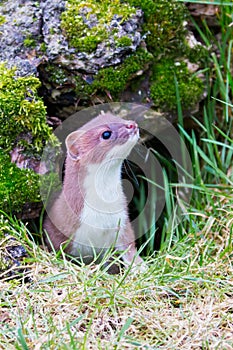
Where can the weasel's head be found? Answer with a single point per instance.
(105, 137)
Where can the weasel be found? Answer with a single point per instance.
(91, 213)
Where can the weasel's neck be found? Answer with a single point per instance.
(96, 185)
(102, 185)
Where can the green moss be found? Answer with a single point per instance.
(29, 42)
(115, 79)
(163, 24)
(166, 39)
(123, 41)
(22, 112)
(17, 186)
(79, 34)
(197, 53)
(52, 31)
(23, 123)
(57, 75)
(2, 20)
(83, 89)
(163, 89)
(43, 47)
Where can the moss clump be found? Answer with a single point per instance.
(43, 47)
(115, 79)
(99, 14)
(166, 38)
(84, 89)
(22, 112)
(163, 26)
(17, 186)
(163, 87)
(123, 41)
(23, 124)
(197, 53)
(29, 42)
(2, 20)
(57, 75)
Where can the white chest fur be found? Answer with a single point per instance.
(104, 214)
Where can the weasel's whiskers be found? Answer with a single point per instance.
(130, 173)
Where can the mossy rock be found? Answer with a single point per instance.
(90, 47)
(91, 19)
(108, 83)
(165, 36)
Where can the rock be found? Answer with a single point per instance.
(25, 162)
(205, 12)
(12, 256)
(21, 23)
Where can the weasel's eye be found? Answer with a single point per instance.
(106, 135)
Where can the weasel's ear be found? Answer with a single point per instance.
(72, 145)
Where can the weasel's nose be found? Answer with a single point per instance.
(131, 125)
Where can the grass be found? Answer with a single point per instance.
(185, 298)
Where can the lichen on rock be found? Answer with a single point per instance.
(99, 21)
(19, 22)
(90, 34)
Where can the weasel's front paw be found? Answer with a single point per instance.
(140, 267)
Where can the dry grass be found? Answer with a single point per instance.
(183, 301)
